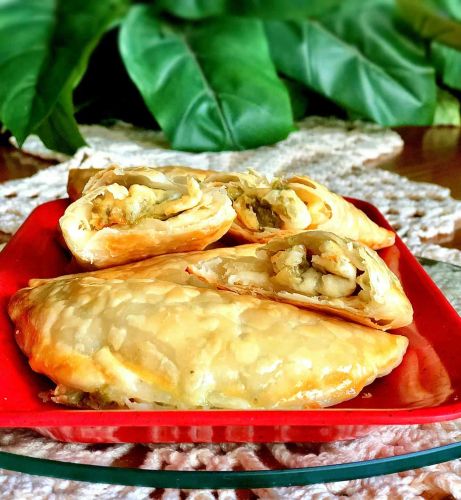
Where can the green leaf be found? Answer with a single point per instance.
(362, 60)
(447, 62)
(59, 130)
(447, 111)
(275, 9)
(434, 19)
(212, 87)
(44, 48)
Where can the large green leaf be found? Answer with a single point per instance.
(44, 47)
(276, 9)
(361, 59)
(212, 87)
(434, 19)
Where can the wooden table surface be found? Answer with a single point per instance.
(430, 155)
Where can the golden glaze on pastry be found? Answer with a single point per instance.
(153, 343)
(266, 210)
(130, 214)
(317, 270)
(78, 177)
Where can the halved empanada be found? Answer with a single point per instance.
(268, 209)
(317, 270)
(134, 213)
(114, 343)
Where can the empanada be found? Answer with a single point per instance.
(134, 213)
(114, 343)
(266, 210)
(317, 270)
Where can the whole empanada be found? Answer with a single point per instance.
(114, 343)
(268, 209)
(130, 214)
(316, 270)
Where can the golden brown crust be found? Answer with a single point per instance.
(192, 227)
(158, 343)
(383, 305)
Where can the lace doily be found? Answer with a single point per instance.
(335, 153)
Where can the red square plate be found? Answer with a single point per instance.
(424, 388)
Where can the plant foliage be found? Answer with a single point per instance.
(225, 74)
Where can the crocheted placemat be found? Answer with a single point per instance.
(338, 154)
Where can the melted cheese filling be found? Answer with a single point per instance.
(326, 273)
(273, 207)
(126, 206)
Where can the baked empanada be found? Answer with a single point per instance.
(266, 210)
(134, 213)
(317, 270)
(114, 343)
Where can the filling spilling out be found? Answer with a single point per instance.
(297, 269)
(276, 206)
(120, 205)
